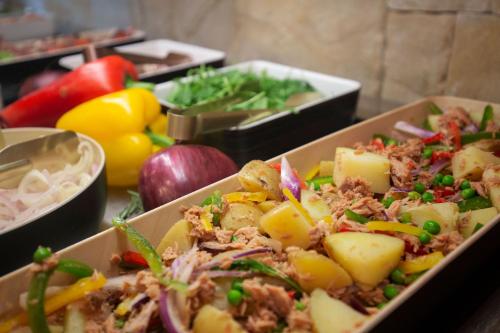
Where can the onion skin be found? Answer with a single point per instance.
(179, 170)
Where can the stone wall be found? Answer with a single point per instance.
(399, 49)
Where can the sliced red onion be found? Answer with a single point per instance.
(438, 166)
(119, 282)
(216, 262)
(456, 197)
(408, 128)
(416, 171)
(357, 305)
(168, 313)
(183, 266)
(471, 128)
(138, 300)
(233, 274)
(289, 179)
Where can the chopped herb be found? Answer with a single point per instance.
(355, 216)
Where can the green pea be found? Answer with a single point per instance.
(427, 152)
(234, 297)
(381, 305)
(424, 238)
(437, 179)
(428, 197)
(390, 291)
(300, 306)
(237, 284)
(448, 180)
(405, 218)
(398, 277)
(414, 195)
(388, 201)
(465, 184)
(391, 142)
(468, 193)
(432, 227)
(41, 254)
(420, 188)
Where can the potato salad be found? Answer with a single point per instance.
(286, 252)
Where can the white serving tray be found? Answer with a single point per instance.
(158, 48)
(328, 86)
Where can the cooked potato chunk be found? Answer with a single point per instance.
(446, 214)
(373, 168)
(329, 315)
(434, 121)
(475, 219)
(470, 163)
(267, 205)
(210, 319)
(239, 215)
(326, 168)
(286, 224)
(177, 236)
(257, 176)
(491, 178)
(313, 203)
(368, 258)
(317, 271)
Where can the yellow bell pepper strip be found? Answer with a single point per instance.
(73, 293)
(394, 226)
(123, 123)
(206, 218)
(421, 263)
(288, 194)
(311, 173)
(245, 197)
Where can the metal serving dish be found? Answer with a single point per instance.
(404, 311)
(285, 130)
(76, 218)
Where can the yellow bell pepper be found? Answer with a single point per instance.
(397, 227)
(245, 197)
(129, 126)
(288, 194)
(73, 293)
(421, 263)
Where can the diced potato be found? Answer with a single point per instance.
(368, 258)
(491, 145)
(317, 207)
(446, 214)
(373, 168)
(491, 179)
(210, 319)
(470, 219)
(470, 163)
(326, 168)
(267, 205)
(434, 121)
(177, 236)
(317, 271)
(257, 176)
(239, 215)
(286, 224)
(329, 315)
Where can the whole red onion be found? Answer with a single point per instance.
(179, 170)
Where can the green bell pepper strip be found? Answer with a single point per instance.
(148, 253)
(473, 204)
(258, 267)
(355, 216)
(434, 109)
(487, 117)
(469, 138)
(318, 181)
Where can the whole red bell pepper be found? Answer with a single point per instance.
(45, 106)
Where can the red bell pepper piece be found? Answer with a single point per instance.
(440, 155)
(131, 259)
(455, 133)
(433, 139)
(378, 143)
(45, 106)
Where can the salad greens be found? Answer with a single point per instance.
(242, 90)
